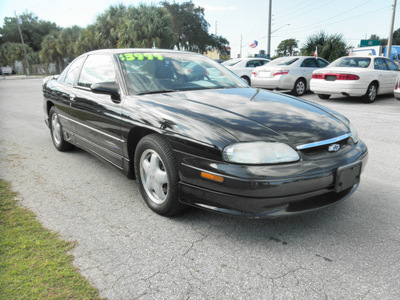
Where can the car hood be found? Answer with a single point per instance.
(249, 114)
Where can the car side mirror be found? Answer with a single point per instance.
(107, 88)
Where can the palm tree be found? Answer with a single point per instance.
(329, 47)
(49, 53)
(145, 27)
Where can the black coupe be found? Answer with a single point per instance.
(192, 133)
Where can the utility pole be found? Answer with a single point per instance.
(390, 40)
(23, 44)
(216, 27)
(269, 29)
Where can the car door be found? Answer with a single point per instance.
(60, 93)
(394, 73)
(307, 67)
(97, 117)
(385, 76)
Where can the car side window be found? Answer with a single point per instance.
(309, 63)
(97, 68)
(253, 64)
(321, 63)
(73, 71)
(380, 64)
(392, 66)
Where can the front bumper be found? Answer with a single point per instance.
(266, 191)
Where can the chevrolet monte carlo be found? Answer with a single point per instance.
(192, 133)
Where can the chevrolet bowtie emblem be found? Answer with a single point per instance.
(334, 148)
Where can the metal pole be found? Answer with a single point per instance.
(269, 30)
(390, 40)
(23, 44)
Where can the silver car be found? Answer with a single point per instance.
(291, 73)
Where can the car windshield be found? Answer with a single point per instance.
(150, 72)
(351, 62)
(283, 61)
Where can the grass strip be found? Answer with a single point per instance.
(34, 263)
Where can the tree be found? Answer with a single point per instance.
(329, 47)
(11, 52)
(191, 28)
(49, 51)
(59, 47)
(145, 27)
(375, 37)
(286, 47)
(33, 30)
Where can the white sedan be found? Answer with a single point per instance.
(243, 67)
(356, 76)
(287, 73)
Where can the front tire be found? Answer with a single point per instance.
(371, 94)
(299, 87)
(57, 133)
(157, 174)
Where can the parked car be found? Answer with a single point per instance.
(287, 73)
(397, 89)
(243, 67)
(209, 142)
(356, 76)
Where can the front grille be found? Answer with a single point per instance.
(323, 150)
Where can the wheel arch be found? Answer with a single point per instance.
(376, 81)
(134, 136)
(247, 78)
(305, 80)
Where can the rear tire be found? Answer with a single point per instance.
(299, 87)
(371, 94)
(323, 96)
(157, 173)
(57, 133)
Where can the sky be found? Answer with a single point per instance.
(241, 21)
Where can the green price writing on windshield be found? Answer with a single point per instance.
(140, 56)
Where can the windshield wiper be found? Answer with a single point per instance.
(158, 92)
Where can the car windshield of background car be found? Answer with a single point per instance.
(149, 73)
(351, 62)
(282, 61)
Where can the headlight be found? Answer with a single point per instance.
(354, 134)
(259, 153)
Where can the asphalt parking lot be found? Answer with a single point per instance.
(348, 251)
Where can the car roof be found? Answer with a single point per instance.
(149, 50)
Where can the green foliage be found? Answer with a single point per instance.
(11, 52)
(286, 47)
(191, 28)
(145, 27)
(34, 263)
(329, 47)
(33, 30)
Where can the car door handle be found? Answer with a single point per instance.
(72, 97)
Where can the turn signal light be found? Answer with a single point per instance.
(212, 177)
